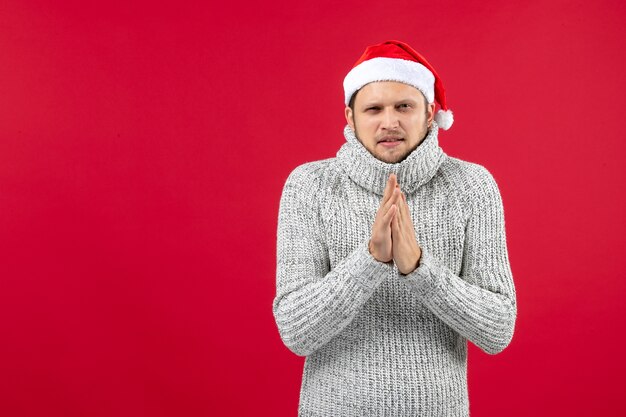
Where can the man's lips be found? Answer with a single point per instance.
(390, 141)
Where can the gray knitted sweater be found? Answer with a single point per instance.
(378, 342)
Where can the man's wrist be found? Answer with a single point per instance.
(369, 249)
(419, 257)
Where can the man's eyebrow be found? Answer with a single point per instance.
(378, 103)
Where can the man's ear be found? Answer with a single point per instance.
(350, 117)
(431, 112)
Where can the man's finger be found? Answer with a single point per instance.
(384, 202)
(407, 216)
(405, 207)
(384, 216)
(389, 187)
(391, 213)
(395, 229)
(394, 199)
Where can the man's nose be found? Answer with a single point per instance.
(390, 119)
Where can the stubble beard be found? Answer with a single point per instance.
(400, 158)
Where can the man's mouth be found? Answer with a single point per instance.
(389, 141)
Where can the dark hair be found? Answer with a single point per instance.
(351, 103)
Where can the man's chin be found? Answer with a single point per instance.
(391, 159)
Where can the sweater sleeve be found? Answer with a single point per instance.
(480, 304)
(314, 303)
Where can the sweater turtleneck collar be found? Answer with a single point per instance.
(416, 169)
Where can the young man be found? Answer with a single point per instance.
(392, 254)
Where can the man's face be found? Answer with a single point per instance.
(390, 119)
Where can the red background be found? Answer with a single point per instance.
(143, 149)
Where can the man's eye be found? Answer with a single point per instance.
(404, 106)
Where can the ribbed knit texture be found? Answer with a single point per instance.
(378, 342)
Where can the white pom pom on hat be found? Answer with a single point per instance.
(444, 119)
(397, 61)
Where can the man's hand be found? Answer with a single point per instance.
(380, 243)
(406, 250)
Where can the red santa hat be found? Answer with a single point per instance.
(397, 61)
